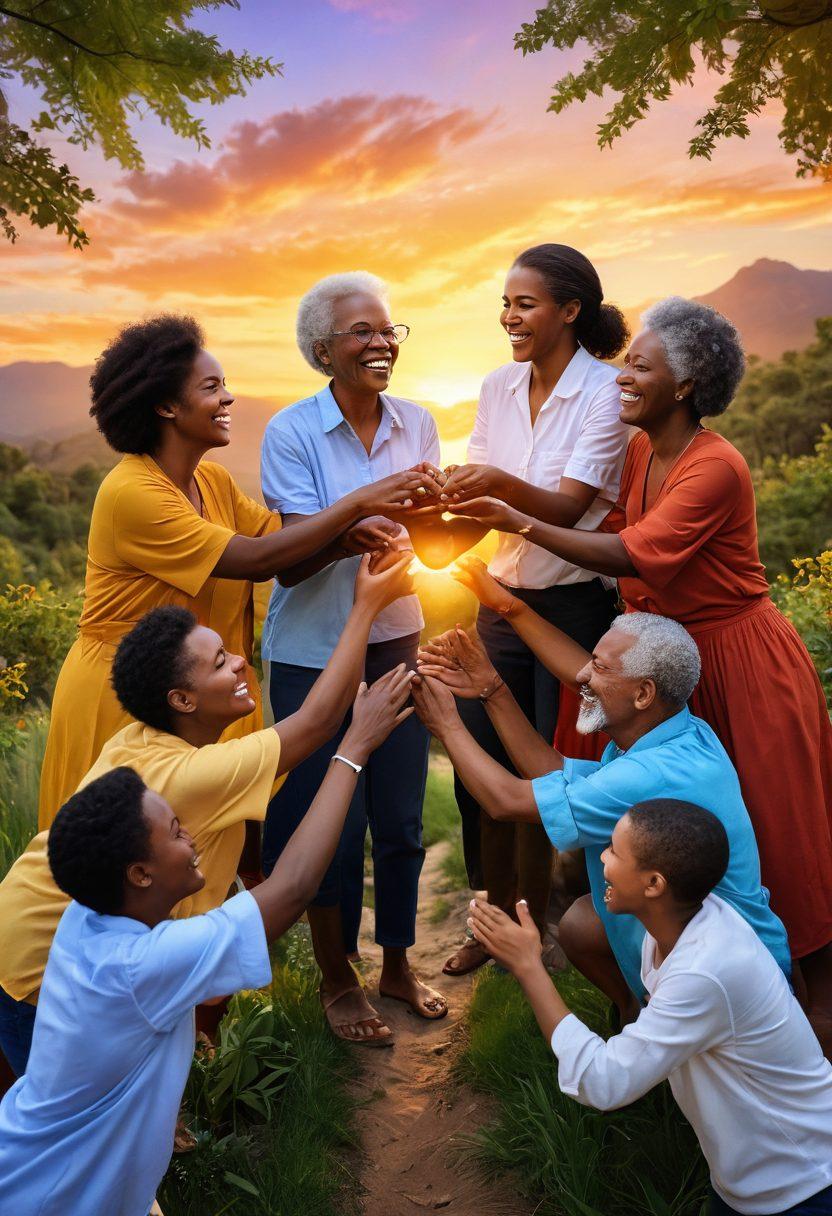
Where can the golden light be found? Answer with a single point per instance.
(418, 567)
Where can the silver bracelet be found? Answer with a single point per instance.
(355, 767)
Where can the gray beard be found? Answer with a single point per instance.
(590, 718)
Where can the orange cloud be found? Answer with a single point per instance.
(353, 147)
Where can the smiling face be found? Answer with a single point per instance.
(202, 414)
(535, 323)
(628, 884)
(648, 386)
(610, 698)
(171, 871)
(217, 692)
(352, 363)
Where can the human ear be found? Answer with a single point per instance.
(571, 310)
(645, 695)
(180, 700)
(683, 390)
(656, 886)
(137, 875)
(321, 352)
(165, 411)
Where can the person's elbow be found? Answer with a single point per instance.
(513, 803)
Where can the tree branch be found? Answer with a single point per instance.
(87, 50)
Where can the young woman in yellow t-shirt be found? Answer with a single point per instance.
(168, 527)
(180, 689)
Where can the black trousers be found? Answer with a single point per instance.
(513, 861)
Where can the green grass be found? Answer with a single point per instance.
(21, 755)
(441, 821)
(295, 1163)
(569, 1159)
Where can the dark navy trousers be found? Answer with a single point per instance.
(388, 797)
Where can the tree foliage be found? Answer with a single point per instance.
(794, 508)
(97, 66)
(772, 49)
(781, 407)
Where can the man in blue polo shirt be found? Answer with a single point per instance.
(634, 687)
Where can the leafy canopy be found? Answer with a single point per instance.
(96, 66)
(773, 49)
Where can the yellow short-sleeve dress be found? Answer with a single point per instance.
(147, 547)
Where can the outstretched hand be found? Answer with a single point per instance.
(434, 704)
(383, 577)
(491, 512)
(516, 946)
(472, 573)
(459, 661)
(376, 712)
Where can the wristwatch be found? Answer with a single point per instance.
(356, 767)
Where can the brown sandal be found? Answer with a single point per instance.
(467, 958)
(341, 1030)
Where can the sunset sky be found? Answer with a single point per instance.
(409, 138)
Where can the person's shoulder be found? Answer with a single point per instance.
(597, 374)
(714, 453)
(410, 412)
(295, 422)
(131, 472)
(721, 945)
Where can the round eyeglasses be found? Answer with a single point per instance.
(393, 334)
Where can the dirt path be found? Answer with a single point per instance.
(413, 1111)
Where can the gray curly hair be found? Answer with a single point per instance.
(663, 652)
(700, 345)
(315, 311)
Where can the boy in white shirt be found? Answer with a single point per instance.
(721, 1023)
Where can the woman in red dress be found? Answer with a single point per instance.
(683, 543)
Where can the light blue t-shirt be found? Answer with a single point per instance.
(681, 758)
(88, 1129)
(310, 458)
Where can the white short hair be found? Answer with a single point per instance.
(700, 345)
(663, 652)
(316, 308)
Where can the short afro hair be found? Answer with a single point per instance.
(151, 660)
(700, 345)
(144, 366)
(96, 835)
(663, 651)
(315, 311)
(684, 842)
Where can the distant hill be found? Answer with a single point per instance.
(774, 305)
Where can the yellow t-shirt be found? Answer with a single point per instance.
(147, 547)
(212, 789)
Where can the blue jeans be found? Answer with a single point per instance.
(388, 796)
(17, 1022)
(511, 860)
(816, 1205)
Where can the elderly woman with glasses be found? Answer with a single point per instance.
(350, 434)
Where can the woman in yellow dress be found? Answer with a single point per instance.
(168, 527)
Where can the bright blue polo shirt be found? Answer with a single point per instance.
(680, 758)
(88, 1130)
(310, 458)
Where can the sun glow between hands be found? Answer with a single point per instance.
(418, 567)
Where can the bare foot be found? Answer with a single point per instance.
(352, 1018)
(403, 985)
(466, 958)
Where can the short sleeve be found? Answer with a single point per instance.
(286, 477)
(581, 803)
(598, 455)
(687, 1014)
(250, 517)
(157, 531)
(181, 963)
(429, 447)
(698, 504)
(225, 783)
(478, 443)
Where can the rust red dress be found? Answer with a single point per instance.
(695, 550)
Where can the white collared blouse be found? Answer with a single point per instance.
(577, 434)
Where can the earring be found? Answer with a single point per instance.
(680, 396)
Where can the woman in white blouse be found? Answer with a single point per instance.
(547, 439)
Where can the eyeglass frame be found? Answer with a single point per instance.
(350, 333)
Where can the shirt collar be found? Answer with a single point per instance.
(669, 729)
(331, 415)
(572, 379)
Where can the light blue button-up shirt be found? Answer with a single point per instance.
(88, 1129)
(310, 458)
(681, 758)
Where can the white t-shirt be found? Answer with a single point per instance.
(576, 434)
(742, 1060)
